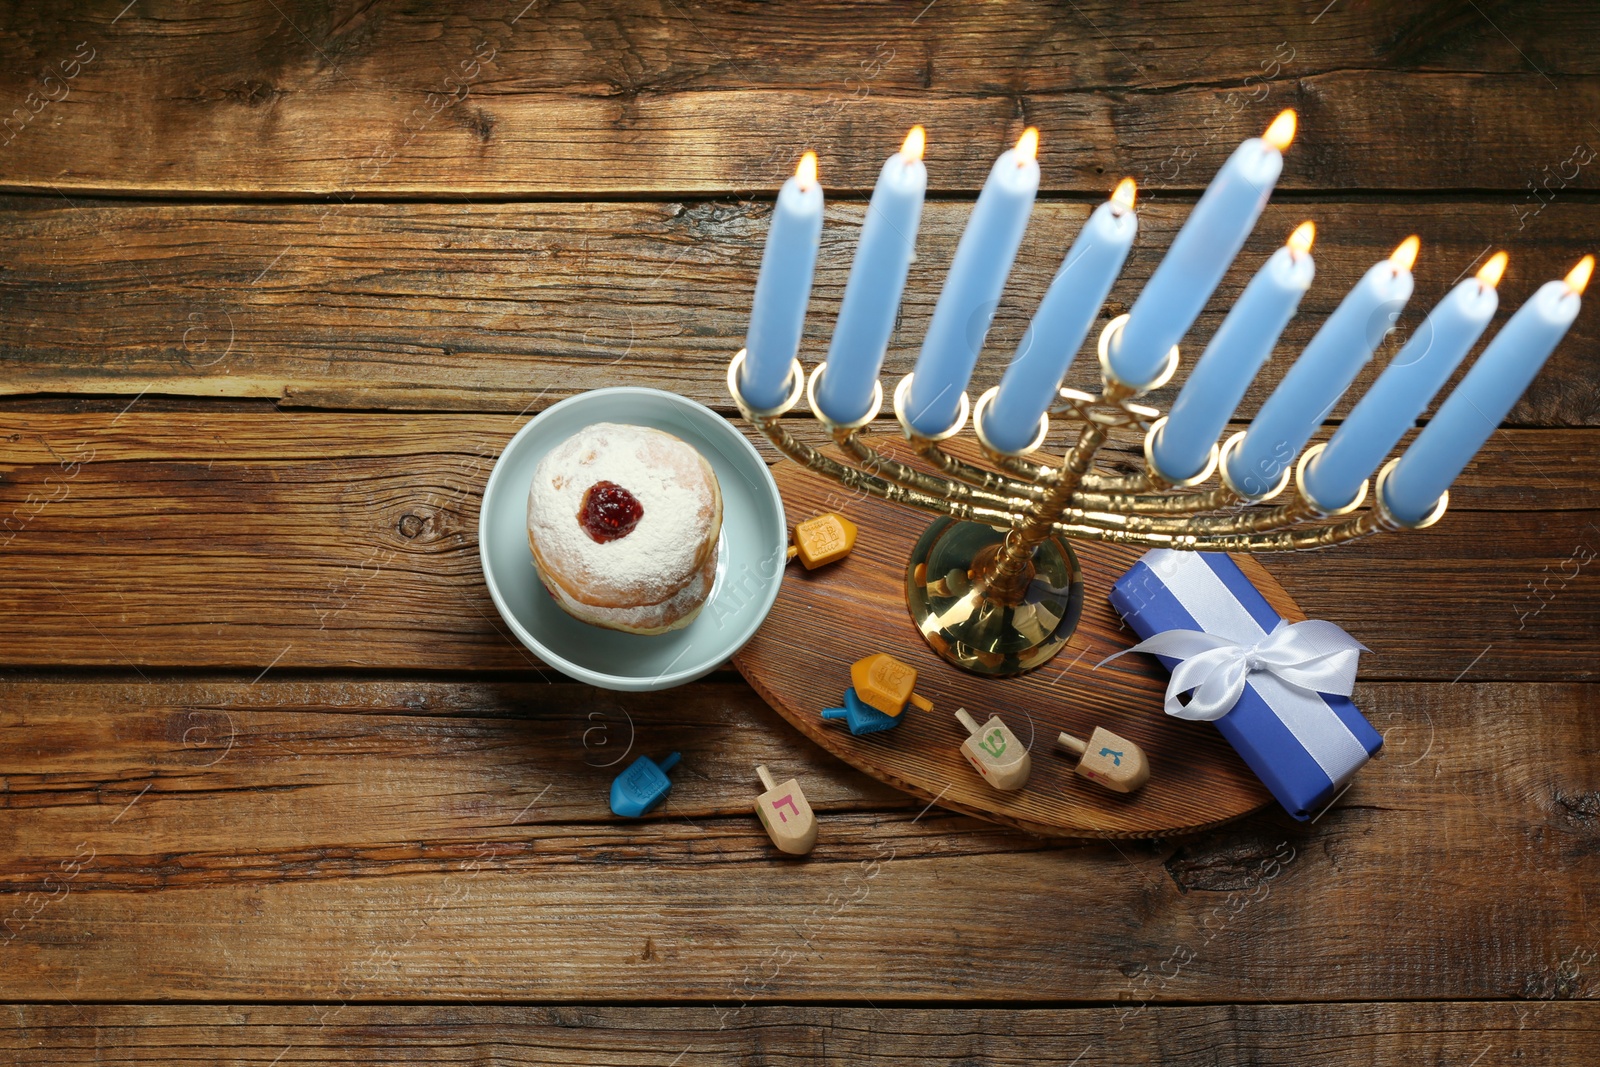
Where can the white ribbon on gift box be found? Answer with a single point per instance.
(1294, 662)
(1216, 668)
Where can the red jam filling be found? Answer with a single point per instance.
(609, 512)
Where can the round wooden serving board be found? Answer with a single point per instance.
(799, 661)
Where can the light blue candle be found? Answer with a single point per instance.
(1485, 396)
(1200, 255)
(972, 289)
(1062, 322)
(877, 278)
(1403, 391)
(1322, 373)
(1236, 353)
(783, 288)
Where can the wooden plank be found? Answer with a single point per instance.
(268, 101)
(1541, 470)
(956, 46)
(350, 541)
(512, 307)
(1377, 1034)
(428, 763)
(1456, 866)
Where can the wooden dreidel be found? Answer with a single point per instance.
(823, 540)
(883, 682)
(994, 752)
(642, 786)
(786, 816)
(860, 718)
(1114, 762)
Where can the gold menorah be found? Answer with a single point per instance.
(993, 584)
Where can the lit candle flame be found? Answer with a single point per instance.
(806, 172)
(1123, 195)
(1028, 145)
(915, 142)
(1301, 239)
(1491, 272)
(1405, 256)
(1281, 132)
(1578, 279)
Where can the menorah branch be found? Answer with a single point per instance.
(955, 467)
(899, 473)
(770, 424)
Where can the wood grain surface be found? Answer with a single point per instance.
(350, 541)
(512, 307)
(502, 99)
(370, 841)
(280, 278)
(600, 1035)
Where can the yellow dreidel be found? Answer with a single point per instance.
(1114, 762)
(995, 752)
(795, 830)
(883, 682)
(823, 540)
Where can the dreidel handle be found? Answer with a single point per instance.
(835, 713)
(765, 776)
(968, 721)
(794, 550)
(920, 701)
(1080, 747)
(667, 764)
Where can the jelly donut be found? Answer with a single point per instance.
(623, 522)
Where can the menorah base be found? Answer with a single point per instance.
(979, 621)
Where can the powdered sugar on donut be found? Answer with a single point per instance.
(677, 611)
(662, 553)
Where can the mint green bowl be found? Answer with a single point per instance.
(750, 558)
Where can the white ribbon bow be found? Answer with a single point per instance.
(1313, 655)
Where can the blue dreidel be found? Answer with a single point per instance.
(860, 718)
(642, 786)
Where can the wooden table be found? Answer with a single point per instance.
(280, 278)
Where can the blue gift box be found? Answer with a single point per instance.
(1305, 747)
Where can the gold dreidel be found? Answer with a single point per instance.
(883, 682)
(1114, 762)
(994, 752)
(786, 815)
(823, 540)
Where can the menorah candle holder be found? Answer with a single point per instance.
(993, 584)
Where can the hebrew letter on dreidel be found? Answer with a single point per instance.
(883, 682)
(642, 786)
(994, 752)
(795, 831)
(786, 800)
(994, 743)
(823, 540)
(1112, 761)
